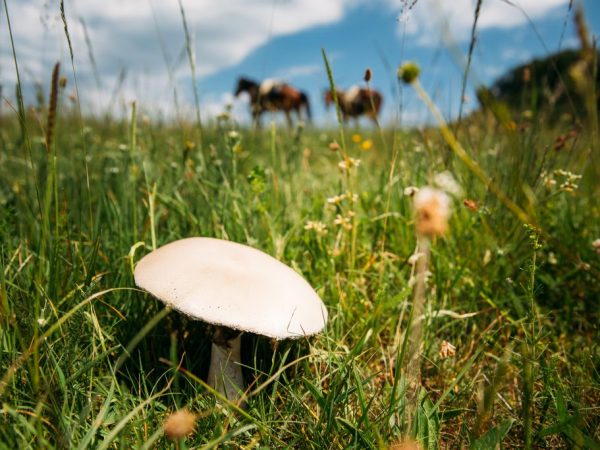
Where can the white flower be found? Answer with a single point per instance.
(348, 163)
(318, 227)
(409, 191)
(446, 182)
(344, 222)
(335, 200)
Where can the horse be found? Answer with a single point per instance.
(273, 95)
(356, 101)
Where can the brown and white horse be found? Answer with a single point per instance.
(356, 101)
(273, 95)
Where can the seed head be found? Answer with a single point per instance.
(447, 350)
(432, 208)
(180, 424)
(409, 72)
(334, 146)
(368, 74)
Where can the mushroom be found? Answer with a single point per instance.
(236, 288)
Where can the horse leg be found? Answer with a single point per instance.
(256, 118)
(288, 118)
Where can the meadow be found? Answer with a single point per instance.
(506, 346)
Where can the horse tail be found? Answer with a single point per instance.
(305, 102)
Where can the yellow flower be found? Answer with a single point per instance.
(367, 145)
(356, 138)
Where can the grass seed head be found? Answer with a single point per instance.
(368, 75)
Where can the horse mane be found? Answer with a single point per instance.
(245, 84)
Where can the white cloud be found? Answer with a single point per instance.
(146, 37)
(454, 18)
(300, 71)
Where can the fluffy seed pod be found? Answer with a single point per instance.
(432, 208)
(180, 424)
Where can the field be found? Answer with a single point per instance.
(89, 360)
(489, 339)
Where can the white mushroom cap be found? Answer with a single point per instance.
(232, 285)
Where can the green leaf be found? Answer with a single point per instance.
(493, 438)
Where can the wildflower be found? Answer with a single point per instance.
(356, 138)
(432, 209)
(42, 322)
(335, 200)
(367, 145)
(351, 197)
(334, 146)
(446, 182)
(348, 163)
(319, 228)
(552, 259)
(410, 191)
(596, 246)
(447, 350)
(344, 222)
(180, 424)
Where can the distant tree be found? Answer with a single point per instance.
(551, 84)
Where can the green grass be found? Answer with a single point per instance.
(89, 361)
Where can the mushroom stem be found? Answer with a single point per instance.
(225, 371)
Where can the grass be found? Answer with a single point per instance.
(88, 360)
(99, 363)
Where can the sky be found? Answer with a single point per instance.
(135, 50)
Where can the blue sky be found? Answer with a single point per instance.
(278, 38)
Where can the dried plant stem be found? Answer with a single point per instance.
(415, 327)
